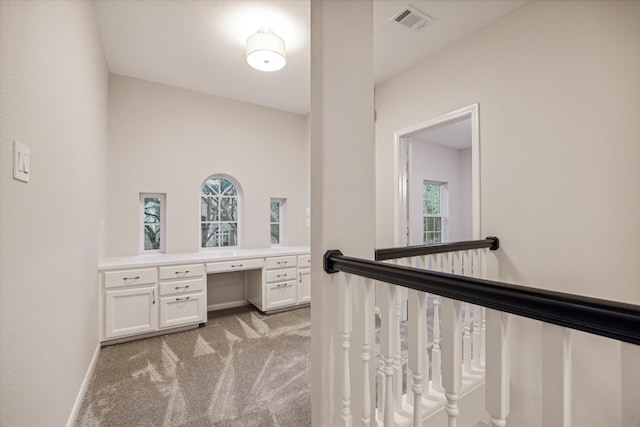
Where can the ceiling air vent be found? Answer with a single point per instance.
(411, 18)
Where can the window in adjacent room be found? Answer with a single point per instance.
(277, 221)
(219, 207)
(152, 212)
(434, 209)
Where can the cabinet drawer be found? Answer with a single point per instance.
(281, 294)
(304, 261)
(180, 271)
(281, 275)
(281, 262)
(182, 310)
(181, 286)
(114, 279)
(244, 264)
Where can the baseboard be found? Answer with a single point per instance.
(83, 388)
(222, 306)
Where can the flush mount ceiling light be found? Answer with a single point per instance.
(265, 51)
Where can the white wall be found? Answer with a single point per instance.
(558, 92)
(434, 162)
(53, 98)
(168, 140)
(342, 194)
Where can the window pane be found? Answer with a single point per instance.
(209, 235)
(227, 234)
(430, 239)
(227, 188)
(275, 233)
(275, 211)
(211, 187)
(430, 222)
(209, 209)
(219, 213)
(432, 199)
(151, 210)
(437, 237)
(151, 237)
(228, 209)
(437, 223)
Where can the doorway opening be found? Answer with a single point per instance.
(438, 180)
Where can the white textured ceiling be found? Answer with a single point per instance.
(200, 45)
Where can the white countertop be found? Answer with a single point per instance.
(209, 255)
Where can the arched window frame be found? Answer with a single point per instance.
(208, 221)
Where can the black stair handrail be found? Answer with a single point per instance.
(492, 243)
(609, 319)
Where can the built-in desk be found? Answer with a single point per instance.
(159, 293)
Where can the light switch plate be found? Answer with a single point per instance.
(21, 161)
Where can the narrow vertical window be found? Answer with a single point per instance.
(219, 213)
(153, 222)
(276, 217)
(434, 206)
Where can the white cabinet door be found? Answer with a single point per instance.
(304, 285)
(181, 310)
(130, 311)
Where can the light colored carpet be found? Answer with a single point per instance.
(242, 369)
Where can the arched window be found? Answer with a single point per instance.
(219, 208)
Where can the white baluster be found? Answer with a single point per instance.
(459, 260)
(380, 397)
(397, 347)
(483, 336)
(424, 263)
(497, 369)
(447, 263)
(346, 345)
(387, 349)
(466, 339)
(368, 330)
(477, 358)
(436, 354)
(452, 356)
(417, 344)
(556, 375)
(478, 271)
(475, 333)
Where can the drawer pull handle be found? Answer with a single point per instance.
(236, 265)
(182, 287)
(282, 262)
(154, 297)
(131, 278)
(182, 272)
(282, 275)
(181, 299)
